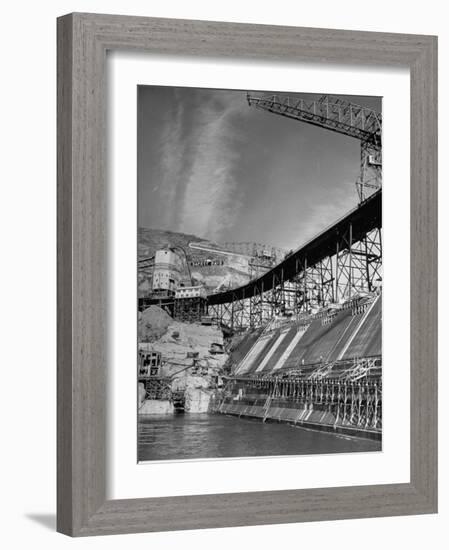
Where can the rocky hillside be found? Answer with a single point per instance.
(150, 240)
(216, 271)
(187, 359)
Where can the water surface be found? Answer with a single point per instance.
(187, 436)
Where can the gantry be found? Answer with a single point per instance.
(337, 115)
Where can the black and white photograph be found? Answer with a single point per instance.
(230, 348)
(259, 276)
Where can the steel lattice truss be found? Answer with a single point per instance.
(351, 402)
(352, 269)
(340, 116)
(358, 264)
(327, 112)
(349, 260)
(343, 261)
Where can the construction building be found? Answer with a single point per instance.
(167, 271)
(197, 291)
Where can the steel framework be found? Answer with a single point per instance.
(343, 262)
(340, 116)
(352, 398)
(349, 262)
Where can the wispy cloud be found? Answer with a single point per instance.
(172, 155)
(218, 169)
(323, 213)
(211, 202)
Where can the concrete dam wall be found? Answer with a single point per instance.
(322, 371)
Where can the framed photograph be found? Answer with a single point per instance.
(235, 343)
(240, 319)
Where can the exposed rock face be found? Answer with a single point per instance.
(156, 406)
(229, 271)
(233, 273)
(188, 357)
(141, 393)
(190, 382)
(153, 323)
(186, 345)
(197, 400)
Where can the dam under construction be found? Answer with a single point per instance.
(252, 350)
(301, 344)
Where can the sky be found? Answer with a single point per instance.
(212, 166)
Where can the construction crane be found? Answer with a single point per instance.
(339, 116)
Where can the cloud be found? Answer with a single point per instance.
(218, 165)
(171, 160)
(211, 202)
(323, 213)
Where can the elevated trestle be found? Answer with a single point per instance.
(341, 262)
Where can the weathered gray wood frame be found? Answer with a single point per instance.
(83, 40)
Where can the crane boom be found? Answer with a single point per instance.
(340, 116)
(331, 113)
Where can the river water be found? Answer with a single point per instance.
(187, 436)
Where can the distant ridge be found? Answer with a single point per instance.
(229, 273)
(150, 240)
